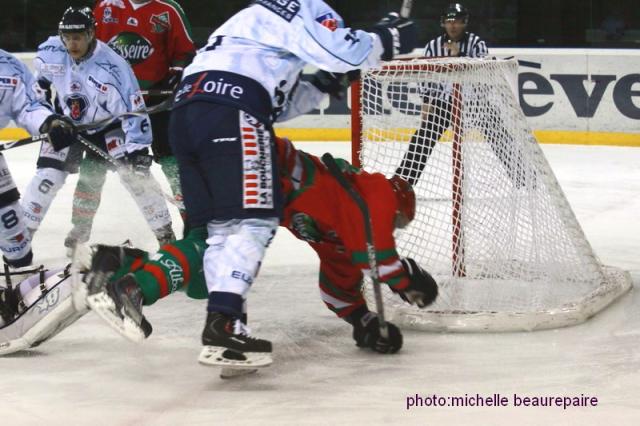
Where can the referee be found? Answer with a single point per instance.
(436, 109)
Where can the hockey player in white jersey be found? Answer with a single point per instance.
(94, 83)
(221, 132)
(19, 102)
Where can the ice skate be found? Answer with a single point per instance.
(120, 305)
(227, 344)
(105, 260)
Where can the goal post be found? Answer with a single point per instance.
(492, 223)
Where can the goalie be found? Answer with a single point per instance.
(317, 210)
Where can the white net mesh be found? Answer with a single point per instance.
(492, 224)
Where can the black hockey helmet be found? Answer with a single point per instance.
(77, 20)
(455, 11)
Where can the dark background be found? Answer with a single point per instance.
(502, 23)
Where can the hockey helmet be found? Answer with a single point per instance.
(455, 11)
(77, 20)
(406, 200)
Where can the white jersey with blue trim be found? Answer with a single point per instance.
(272, 40)
(18, 100)
(99, 87)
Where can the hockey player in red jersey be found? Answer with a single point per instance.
(154, 37)
(317, 210)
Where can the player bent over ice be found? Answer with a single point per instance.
(221, 132)
(317, 210)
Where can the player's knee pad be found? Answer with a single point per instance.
(15, 241)
(235, 252)
(40, 193)
(148, 197)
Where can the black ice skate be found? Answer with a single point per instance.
(105, 260)
(227, 344)
(120, 305)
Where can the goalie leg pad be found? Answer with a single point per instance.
(50, 313)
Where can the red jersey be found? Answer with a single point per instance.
(319, 211)
(152, 36)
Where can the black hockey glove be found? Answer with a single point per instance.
(366, 332)
(333, 83)
(173, 77)
(138, 162)
(62, 132)
(398, 35)
(422, 289)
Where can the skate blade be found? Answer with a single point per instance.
(103, 305)
(214, 356)
(232, 373)
(13, 346)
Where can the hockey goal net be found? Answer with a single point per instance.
(492, 224)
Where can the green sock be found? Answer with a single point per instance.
(86, 198)
(174, 265)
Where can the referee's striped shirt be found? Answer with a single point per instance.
(471, 46)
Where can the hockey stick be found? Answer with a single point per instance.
(405, 9)
(121, 169)
(162, 106)
(335, 171)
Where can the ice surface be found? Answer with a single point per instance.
(89, 375)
